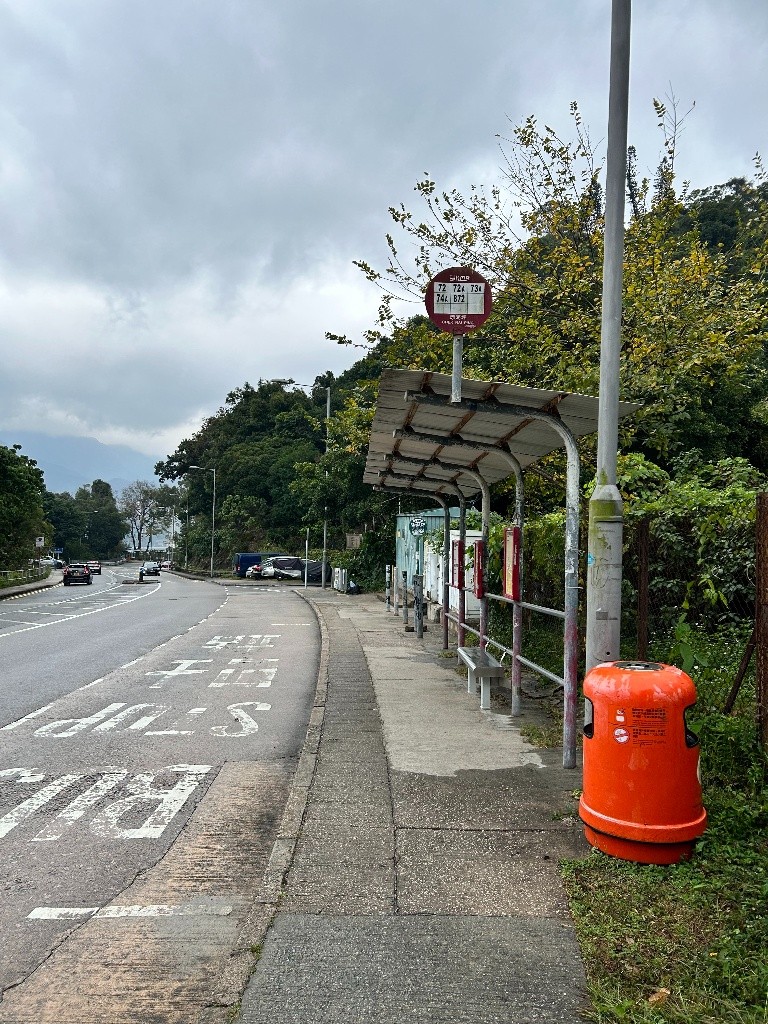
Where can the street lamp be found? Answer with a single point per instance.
(207, 469)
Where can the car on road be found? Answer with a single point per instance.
(150, 569)
(282, 567)
(94, 566)
(77, 572)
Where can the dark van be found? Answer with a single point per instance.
(243, 560)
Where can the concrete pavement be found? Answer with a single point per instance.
(417, 866)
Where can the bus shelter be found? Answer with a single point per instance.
(424, 443)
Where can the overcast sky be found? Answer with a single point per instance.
(184, 184)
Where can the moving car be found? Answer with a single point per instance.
(94, 566)
(77, 572)
(150, 569)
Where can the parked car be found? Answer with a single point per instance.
(77, 572)
(150, 569)
(282, 567)
(94, 566)
(167, 566)
(244, 560)
(315, 572)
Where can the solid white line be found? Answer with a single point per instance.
(69, 618)
(60, 913)
(217, 908)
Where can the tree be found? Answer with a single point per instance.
(147, 509)
(693, 332)
(105, 526)
(22, 516)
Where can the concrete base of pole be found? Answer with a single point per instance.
(604, 551)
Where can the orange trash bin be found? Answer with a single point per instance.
(641, 795)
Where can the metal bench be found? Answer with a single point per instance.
(480, 664)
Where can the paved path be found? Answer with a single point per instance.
(420, 849)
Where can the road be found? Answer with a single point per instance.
(148, 739)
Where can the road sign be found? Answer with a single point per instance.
(458, 300)
(39, 542)
(417, 526)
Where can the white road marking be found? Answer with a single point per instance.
(182, 669)
(245, 676)
(81, 804)
(26, 718)
(76, 725)
(77, 615)
(169, 803)
(25, 774)
(143, 794)
(212, 908)
(61, 913)
(28, 807)
(238, 712)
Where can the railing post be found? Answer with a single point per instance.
(418, 604)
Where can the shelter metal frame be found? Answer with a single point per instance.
(423, 441)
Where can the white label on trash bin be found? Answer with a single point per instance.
(621, 735)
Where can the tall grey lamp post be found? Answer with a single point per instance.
(208, 469)
(325, 518)
(606, 512)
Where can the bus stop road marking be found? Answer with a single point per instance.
(211, 908)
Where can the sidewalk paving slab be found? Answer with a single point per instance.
(424, 880)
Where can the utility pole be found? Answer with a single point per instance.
(325, 519)
(606, 511)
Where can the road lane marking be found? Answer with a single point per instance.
(74, 615)
(61, 913)
(212, 908)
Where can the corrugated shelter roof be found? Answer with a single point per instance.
(492, 413)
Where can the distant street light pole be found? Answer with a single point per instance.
(606, 512)
(208, 469)
(325, 519)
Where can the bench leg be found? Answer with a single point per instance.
(471, 683)
(485, 693)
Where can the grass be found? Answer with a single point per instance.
(689, 943)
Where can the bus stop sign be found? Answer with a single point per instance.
(417, 526)
(458, 300)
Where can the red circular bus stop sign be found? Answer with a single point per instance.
(458, 300)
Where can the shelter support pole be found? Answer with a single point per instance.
(461, 634)
(445, 571)
(517, 608)
(571, 610)
(606, 511)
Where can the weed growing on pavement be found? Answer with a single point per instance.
(687, 943)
